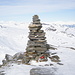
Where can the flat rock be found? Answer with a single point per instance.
(41, 71)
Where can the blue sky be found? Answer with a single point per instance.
(48, 10)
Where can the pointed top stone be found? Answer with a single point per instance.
(36, 19)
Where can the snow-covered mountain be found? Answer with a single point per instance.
(14, 37)
(60, 35)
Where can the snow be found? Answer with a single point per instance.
(17, 69)
(14, 37)
(68, 58)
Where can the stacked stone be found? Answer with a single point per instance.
(37, 45)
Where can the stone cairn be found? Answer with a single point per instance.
(37, 47)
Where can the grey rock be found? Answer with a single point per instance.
(60, 63)
(48, 46)
(41, 71)
(55, 58)
(4, 62)
(18, 56)
(2, 73)
(8, 57)
(26, 60)
(36, 19)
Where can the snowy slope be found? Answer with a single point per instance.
(14, 37)
(60, 35)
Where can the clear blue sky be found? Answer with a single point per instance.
(48, 10)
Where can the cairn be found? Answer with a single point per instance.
(37, 46)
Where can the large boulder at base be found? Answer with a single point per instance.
(42, 71)
(17, 58)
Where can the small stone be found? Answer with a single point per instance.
(4, 62)
(0, 66)
(8, 57)
(51, 64)
(46, 64)
(55, 58)
(60, 63)
(48, 46)
(53, 53)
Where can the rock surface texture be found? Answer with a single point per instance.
(37, 46)
(42, 71)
